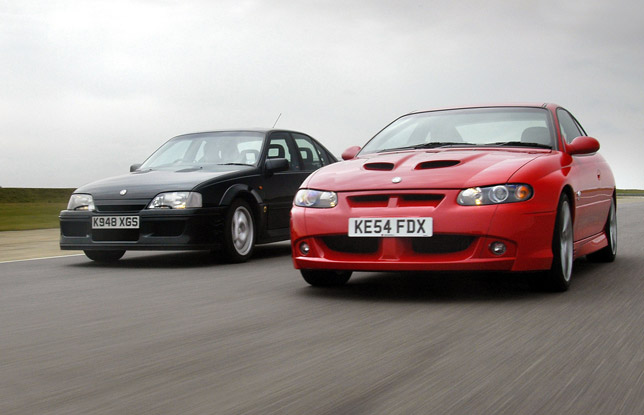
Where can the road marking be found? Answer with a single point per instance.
(37, 259)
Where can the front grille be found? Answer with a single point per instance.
(420, 199)
(369, 200)
(120, 208)
(403, 200)
(343, 243)
(441, 244)
(115, 235)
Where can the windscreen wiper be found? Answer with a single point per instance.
(432, 144)
(519, 144)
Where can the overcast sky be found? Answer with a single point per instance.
(90, 87)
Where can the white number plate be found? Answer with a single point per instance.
(390, 226)
(115, 222)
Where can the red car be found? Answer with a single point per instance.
(516, 187)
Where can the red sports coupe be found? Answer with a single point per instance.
(516, 187)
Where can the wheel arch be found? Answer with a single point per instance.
(246, 193)
(243, 191)
(567, 190)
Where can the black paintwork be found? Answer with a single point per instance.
(267, 188)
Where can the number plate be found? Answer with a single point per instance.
(390, 227)
(115, 222)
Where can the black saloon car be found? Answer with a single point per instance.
(224, 191)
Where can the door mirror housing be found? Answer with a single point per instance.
(583, 145)
(275, 165)
(135, 167)
(350, 152)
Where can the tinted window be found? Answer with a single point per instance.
(569, 128)
(278, 148)
(310, 154)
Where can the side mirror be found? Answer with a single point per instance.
(350, 152)
(275, 165)
(583, 145)
(135, 167)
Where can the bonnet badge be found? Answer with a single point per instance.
(396, 179)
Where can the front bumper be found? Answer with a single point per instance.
(190, 229)
(461, 241)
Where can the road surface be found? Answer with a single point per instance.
(178, 333)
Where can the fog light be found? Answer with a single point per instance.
(498, 248)
(305, 248)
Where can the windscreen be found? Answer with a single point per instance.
(502, 126)
(206, 150)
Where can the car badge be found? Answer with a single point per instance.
(123, 192)
(396, 179)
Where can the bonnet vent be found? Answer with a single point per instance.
(437, 164)
(379, 166)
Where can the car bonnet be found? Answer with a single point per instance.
(147, 184)
(440, 168)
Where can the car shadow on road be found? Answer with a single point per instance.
(432, 286)
(449, 286)
(187, 259)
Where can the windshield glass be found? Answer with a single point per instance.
(206, 150)
(502, 126)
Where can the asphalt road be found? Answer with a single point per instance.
(177, 333)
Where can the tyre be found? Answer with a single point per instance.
(104, 256)
(239, 232)
(558, 277)
(325, 278)
(608, 253)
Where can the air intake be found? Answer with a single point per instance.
(436, 164)
(379, 166)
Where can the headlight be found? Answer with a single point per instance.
(492, 195)
(80, 201)
(176, 200)
(315, 198)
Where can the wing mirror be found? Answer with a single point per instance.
(275, 165)
(350, 152)
(135, 167)
(583, 145)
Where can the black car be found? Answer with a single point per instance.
(224, 191)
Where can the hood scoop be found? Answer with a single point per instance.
(379, 166)
(436, 164)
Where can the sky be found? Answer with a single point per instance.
(88, 88)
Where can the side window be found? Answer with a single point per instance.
(325, 156)
(278, 148)
(311, 159)
(568, 126)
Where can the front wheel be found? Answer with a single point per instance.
(325, 278)
(609, 252)
(239, 232)
(104, 256)
(558, 277)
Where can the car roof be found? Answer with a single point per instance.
(492, 105)
(251, 130)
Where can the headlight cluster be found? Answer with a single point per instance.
(79, 201)
(492, 195)
(315, 198)
(176, 200)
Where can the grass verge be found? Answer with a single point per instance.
(30, 208)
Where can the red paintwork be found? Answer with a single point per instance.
(526, 227)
